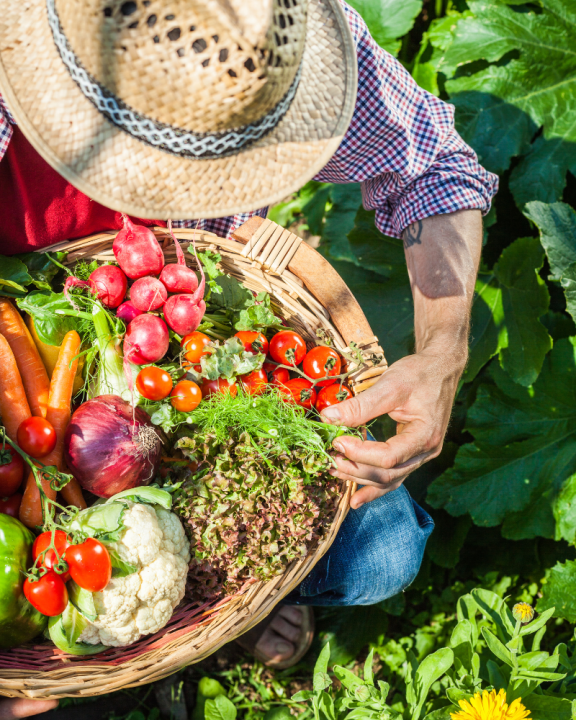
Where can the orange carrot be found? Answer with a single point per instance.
(14, 407)
(32, 370)
(58, 414)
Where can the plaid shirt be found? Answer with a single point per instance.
(401, 146)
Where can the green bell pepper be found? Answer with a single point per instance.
(19, 621)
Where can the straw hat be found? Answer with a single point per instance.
(180, 108)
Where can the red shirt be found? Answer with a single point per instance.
(38, 207)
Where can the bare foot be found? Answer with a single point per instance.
(280, 639)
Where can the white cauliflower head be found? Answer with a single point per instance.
(141, 603)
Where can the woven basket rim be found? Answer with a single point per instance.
(23, 670)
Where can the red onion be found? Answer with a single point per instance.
(110, 446)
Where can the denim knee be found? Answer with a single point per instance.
(376, 554)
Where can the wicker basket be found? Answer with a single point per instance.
(310, 294)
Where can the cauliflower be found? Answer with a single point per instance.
(141, 603)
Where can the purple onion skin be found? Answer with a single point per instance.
(101, 449)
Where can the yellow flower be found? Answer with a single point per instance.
(490, 706)
(523, 611)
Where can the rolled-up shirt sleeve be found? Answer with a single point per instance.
(402, 146)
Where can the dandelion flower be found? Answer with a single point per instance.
(523, 612)
(490, 706)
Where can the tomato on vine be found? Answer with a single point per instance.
(153, 383)
(194, 346)
(11, 471)
(50, 559)
(221, 385)
(185, 396)
(332, 395)
(254, 342)
(255, 382)
(301, 392)
(90, 565)
(48, 594)
(277, 376)
(11, 505)
(287, 348)
(320, 362)
(36, 437)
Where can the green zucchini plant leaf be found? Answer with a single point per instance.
(559, 591)
(388, 20)
(505, 314)
(524, 449)
(529, 83)
(557, 225)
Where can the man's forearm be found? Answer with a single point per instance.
(443, 253)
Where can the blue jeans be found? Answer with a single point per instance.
(376, 554)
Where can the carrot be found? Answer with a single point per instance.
(32, 370)
(14, 407)
(58, 414)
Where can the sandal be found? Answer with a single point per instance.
(250, 639)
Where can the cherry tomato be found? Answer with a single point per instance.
(332, 395)
(186, 396)
(254, 342)
(301, 392)
(11, 505)
(153, 383)
(48, 594)
(194, 345)
(90, 565)
(322, 361)
(277, 376)
(222, 385)
(255, 382)
(36, 437)
(12, 472)
(60, 543)
(287, 348)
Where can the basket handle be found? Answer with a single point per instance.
(322, 280)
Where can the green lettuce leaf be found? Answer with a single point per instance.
(51, 328)
(524, 449)
(13, 277)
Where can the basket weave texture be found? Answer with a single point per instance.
(194, 632)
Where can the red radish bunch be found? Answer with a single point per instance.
(147, 294)
(137, 251)
(146, 340)
(109, 284)
(178, 278)
(127, 312)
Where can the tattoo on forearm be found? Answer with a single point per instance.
(413, 234)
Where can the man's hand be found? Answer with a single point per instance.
(20, 708)
(417, 392)
(442, 253)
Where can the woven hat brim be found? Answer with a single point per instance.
(127, 175)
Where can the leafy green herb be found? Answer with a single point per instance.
(50, 326)
(83, 270)
(258, 316)
(229, 360)
(43, 267)
(210, 262)
(13, 277)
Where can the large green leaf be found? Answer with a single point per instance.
(388, 20)
(532, 84)
(557, 225)
(13, 277)
(559, 591)
(505, 314)
(524, 448)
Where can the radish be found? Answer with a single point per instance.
(184, 313)
(137, 251)
(176, 276)
(146, 340)
(109, 284)
(127, 312)
(147, 294)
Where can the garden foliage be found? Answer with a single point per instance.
(509, 68)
